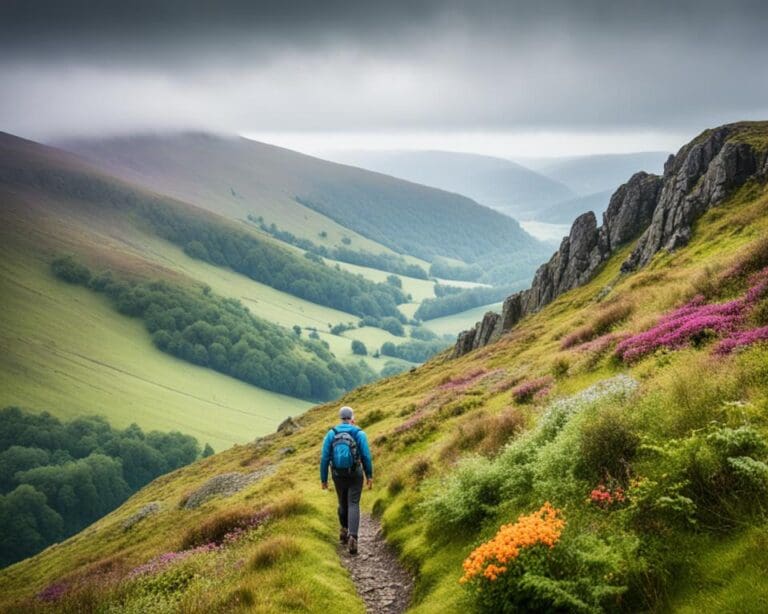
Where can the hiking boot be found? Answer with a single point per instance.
(344, 535)
(352, 544)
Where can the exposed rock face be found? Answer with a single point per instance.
(661, 210)
(225, 485)
(701, 175)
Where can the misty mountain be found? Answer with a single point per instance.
(568, 210)
(590, 174)
(238, 177)
(502, 184)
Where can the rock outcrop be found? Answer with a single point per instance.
(659, 210)
(702, 174)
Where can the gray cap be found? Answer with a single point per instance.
(346, 413)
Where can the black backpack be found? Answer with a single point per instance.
(345, 456)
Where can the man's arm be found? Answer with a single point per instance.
(365, 455)
(325, 459)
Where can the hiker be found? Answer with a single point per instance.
(345, 449)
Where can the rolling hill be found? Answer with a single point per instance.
(607, 452)
(307, 196)
(590, 174)
(502, 184)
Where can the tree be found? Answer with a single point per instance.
(297, 330)
(358, 347)
(207, 451)
(394, 280)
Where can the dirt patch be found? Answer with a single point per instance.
(382, 582)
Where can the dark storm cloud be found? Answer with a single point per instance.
(239, 65)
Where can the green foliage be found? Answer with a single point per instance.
(423, 334)
(394, 280)
(582, 573)
(358, 347)
(58, 477)
(413, 351)
(220, 244)
(221, 334)
(382, 261)
(449, 270)
(449, 304)
(340, 328)
(466, 496)
(393, 368)
(392, 326)
(67, 269)
(608, 444)
(420, 227)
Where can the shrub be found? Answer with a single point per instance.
(467, 496)
(526, 391)
(371, 417)
(358, 348)
(215, 529)
(273, 550)
(531, 566)
(66, 268)
(607, 445)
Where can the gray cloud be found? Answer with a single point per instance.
(79, 66)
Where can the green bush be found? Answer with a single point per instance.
(607, 446)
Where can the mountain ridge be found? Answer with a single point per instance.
(662, 209)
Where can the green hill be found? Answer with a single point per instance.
(308, 196)
(502, 184)
(596, 463)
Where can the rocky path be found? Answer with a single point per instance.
(384, 585)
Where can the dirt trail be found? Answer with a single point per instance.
(382, 582)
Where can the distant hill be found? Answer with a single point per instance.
(307, 196)
(567, 211)
(590, 174)
(502, 184)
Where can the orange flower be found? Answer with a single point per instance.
(490, 559)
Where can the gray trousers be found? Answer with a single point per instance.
(348, 490)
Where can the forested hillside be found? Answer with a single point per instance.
(239, 177)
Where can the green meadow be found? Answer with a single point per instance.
(67, 351)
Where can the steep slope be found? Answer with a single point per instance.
(663, 209)
(71, 353)
(464, 447)
(504, 185)
(239, 177)
(589, 174)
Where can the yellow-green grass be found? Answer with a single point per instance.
(529, 351)
(67, 351)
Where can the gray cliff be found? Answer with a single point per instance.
(659, 210)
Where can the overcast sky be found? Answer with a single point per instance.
(509, 78)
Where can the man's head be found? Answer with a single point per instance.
(346, 414)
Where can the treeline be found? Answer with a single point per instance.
(58, 477)
(383, 262)
(449, 304)
(415, 350)
(423, 222)
(220, 333)
(203, 236)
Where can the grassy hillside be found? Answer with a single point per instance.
(54, 362)
(656, 465)
(307, 196)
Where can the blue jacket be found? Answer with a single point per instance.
(362, 447)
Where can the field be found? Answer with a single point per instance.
(68, 352)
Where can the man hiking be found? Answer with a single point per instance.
(345, 449)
